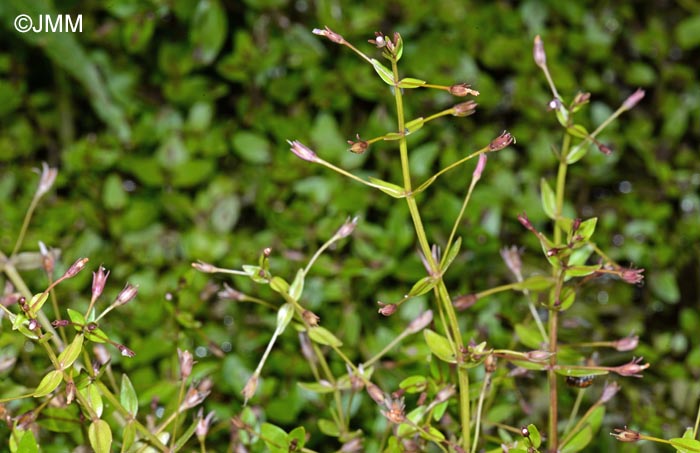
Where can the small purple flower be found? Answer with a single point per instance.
(633, 99)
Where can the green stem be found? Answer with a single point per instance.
(25, 225)
(553, 324)
(454, 334)
(485, 386)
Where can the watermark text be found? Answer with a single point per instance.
(49, 23)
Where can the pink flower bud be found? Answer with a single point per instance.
(76, 267)
(500, 142)
(347, 228)
(99, 279)
(302, 151)
(633, 99)
(538, 53)
(386, 309)
(632, 368)
(627, 344)
(462, 89)
(625, 435)
(186, 363)
(127, 294)
(46, 180)
(480, 165)
(330, 34)
(464, 108)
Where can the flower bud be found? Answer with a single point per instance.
(464, 108)
(631, 276)
(99, 279)
(347, 228)
(47, 258)
(633, 99)
(358, 147)
(538, 53)
(330, 34)
(538, 356)
(126, 352)
(127, 294)
(511, 256)
(605, 149)
(375, 393)
(203, 424)
(230, 293)
(250, 387)
(201, 266)
(581, 99)
(46, 179)
(609, 391)
(311, 318)
(76, 267)
(480, 165)
(627, 344)
(302, 151)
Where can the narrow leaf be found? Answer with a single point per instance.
(284, 315)
(48, 383)
(580, 440)
(70, 354)
(409, 82)
(549, 202)
(422, 286)
(414, 125)
(384, 72)
(388, 188)
(451, 254)
(37, 302)
(577, 131)
(322, 335)
(685, 445)
(297, 286)
(536, 283)
(279, 285)
(535, 436)
(127, 396)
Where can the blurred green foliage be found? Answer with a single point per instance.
(168, 121)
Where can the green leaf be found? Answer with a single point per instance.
(297, 286)
(687, 32)
(209, 30)
(27, 443)
(76, 317)
(386, 75)
(439, 346)
(284, 315)
(328, 428)
(316, 387)
(432, 434)
(60, 419)
(581, 271)
(279, 285)
(48, 383)
(586, 229)
(577, 153)
(414, 384)
(275, 438)
(409, 82)
(566, 298)
(535, 283)
(128, 435)
(297, 435)
(388, 188)
(549, 202)
(390, 136)
(535, 436)
(414, 125)
(530, 336)
(451, 254)
(322, 335)
(685, 445)
(70, 354)
(100, 436)
(182, 440)
(580, 440)
(577, 131)
(422, 286)
(94, 399)
(127, 396)
(574, 372)
(37, 302)
(256, 273)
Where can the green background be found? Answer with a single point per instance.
(168, 122)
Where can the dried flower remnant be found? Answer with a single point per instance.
(625, 435)
(375, 393)
(395, 410)
(358, 147)
(420, 322)
(126, 352)
(500, 142)
(538, 356)
(311, 318)
(193, 398)
(461, 90)
(186, 363)
(633, 368)
(302, 151)
(229, 293)
(538, 53)
(203, 424)
(250, 387)
(386, 309)
(605, 149)
(464, 301)
(48, 260)
(201, 266)
(630, 275)
(511, 256)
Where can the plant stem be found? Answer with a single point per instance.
(452, 329)
(553, 324)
